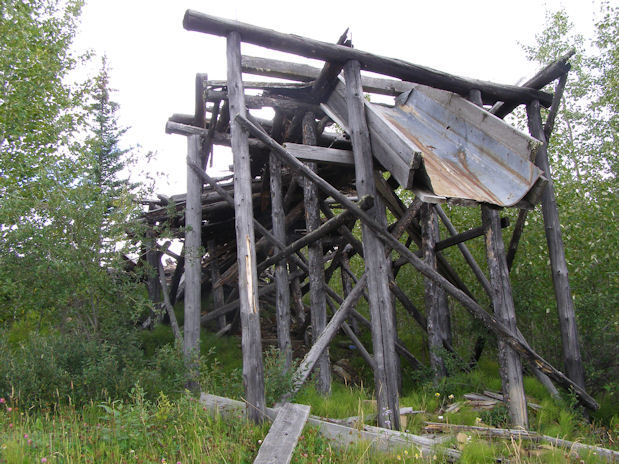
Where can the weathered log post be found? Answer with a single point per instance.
(318, 303)
(558, 265)
(193, 266)
(253, 371)
(435, 297)
(510, 366)
(217, 291)
(282, 305)
(376, 263)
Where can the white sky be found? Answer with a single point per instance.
(154, 60)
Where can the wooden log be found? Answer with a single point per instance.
(469, 304)
(321, 154)
(470, 234)
(280, 442)
(282, 308)
(435, 297)
(323, 340)
(166, 300)
(518, 434)
(217, 291)
(305, 73)
(548, 126)
(193, 267)
(545, 76)
(377, 265)
(253, 371)
(176, 277)
(261, 101)
(318, 304)
(558, 265)
(309, 48)
(510, 367)
(326, 228)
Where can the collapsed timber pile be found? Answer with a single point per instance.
(273, 232)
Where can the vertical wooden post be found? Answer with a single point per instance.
(435, 298)
(218, 292)
(282, 305)
(318, 303)
(193, 266)
(376, 263)
(347, 285)
(253, 371)
(510, 366)
(565, 305)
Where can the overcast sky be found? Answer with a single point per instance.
(154, 60)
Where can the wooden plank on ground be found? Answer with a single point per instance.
(282, 438)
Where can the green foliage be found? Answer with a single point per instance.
(43, 370)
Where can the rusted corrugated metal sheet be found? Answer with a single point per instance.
(467, 153)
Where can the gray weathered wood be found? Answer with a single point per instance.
(377, 265)
(253, 371)
(323, 340)
(282, 307)
(341, 436)
(280, 442)
(166, 301)
(435, 297)
(216, 291)
(518, 434)
(545, 76)
(468, 302)
(558, 265)
(321, 154)
(193, 267)
(305, 73)
(318, 303)
(510, 367)
(199, 22)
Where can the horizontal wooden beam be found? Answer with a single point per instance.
(466, 235)
(310, 48)
(320, 154)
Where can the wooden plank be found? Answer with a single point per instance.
(193, 267)
(556, 250)
(253, 371)
(309, 48)
(282, 306)
(320, 154)
(280, 442)
(318, 303)
(510, 367)
(395, 153)
(377, 265)
(467, 302)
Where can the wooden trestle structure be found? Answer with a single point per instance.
(443, 138)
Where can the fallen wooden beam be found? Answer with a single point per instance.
(341, 436)
(609, 455)
(280, 442)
